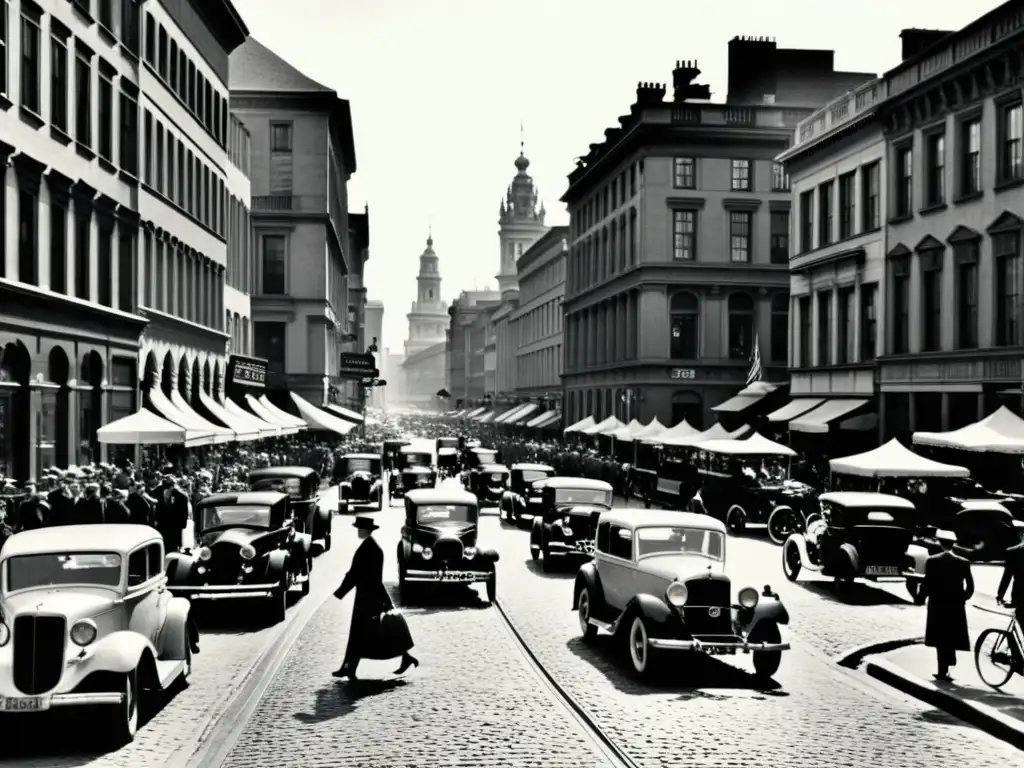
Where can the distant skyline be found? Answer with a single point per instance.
(439, 88)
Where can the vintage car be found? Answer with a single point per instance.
(446, 442)
(390, 451)
(858, 535)
(360, 481)
(565, 522)
(476, 456)
(448, 461)
(487, 482)
(658, 582)
(523, 495)
(302, 487)
(415, 469)
(86, 621)
(247, 546)
(439, 543)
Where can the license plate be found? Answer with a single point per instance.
(586, 547)
(881, 570)
(456, 576)
(24, 704)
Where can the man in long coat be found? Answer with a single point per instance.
(34, 512)
(61, 504)
(140, 509)
(171, 515)
(89, 508)
(366, 577)
(949, 585)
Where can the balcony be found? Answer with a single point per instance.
(289, 204)
(841, 111)
(737, 117)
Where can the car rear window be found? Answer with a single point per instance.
(214, 517)
(533, 475)
(291, 486)
(582, 496)
(359, 465)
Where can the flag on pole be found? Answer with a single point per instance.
(754, 374)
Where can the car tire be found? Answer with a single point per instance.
(736, 519)
(124, 722)
(327, 542)
(186, 670)
(638, 646)
(307, 568)
(783, 521)
(766, 663)
(791, 562)
(492, 587)
(278, 602)
(547, 565)
(584, 612)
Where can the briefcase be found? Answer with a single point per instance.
(390, 637)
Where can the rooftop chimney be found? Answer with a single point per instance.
(683, 87)
(917, 40)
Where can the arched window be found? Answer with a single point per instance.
(684, 316)
(741, 326)
(780, 328)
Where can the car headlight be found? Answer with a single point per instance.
(248, 552)
(83, 632)
(427, 553)
(677, 594)
(204, 553)
(417, 548)
(469, 553)
(566, 521)
(748, 597)
(5, 634)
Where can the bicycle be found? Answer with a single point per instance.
(1006, 655)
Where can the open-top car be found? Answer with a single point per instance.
(86, 621)
(360, 481)
(439, 543)
(390, 451)
(247, 546)
(524, 494)
(302, 487)
(488, 482)
(565, 522)
(859, 535)
(658, 582)
(415, 469)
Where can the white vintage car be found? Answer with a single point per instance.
(86, 621)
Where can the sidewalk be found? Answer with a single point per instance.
(910, 669)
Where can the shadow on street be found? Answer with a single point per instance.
(341, 697)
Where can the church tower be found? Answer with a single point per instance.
(520, 223)
(428, 319)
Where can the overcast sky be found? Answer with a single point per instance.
(439, 87)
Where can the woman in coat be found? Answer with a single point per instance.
(948, 585)
(369, 636)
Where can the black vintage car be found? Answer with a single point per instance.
(302, 486)
(487, 483)
(389, 453)
(439, 543)
(476, 456)
(360, 481)
(414, 469)
(447, 456)
(566, 522)
(524, 493)
(247, 546)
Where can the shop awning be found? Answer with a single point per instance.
(345, 413)
(243, 431)
(266, 428)
(536, 421)
(474, 412)
(550, 421)
(283, 416)
(580, 425)
(221, 435)
(817, 420)
(605, 427)
(317, 418)
(146, 428)
(165, 408)
(794, 408)
(287, 428)
(745, 398)
(522, 413)
(487, 417)
(506, 415)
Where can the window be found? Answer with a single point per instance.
(147, 144)
(1006, 251)
(126, 270)
(684, 229)
(160, 159)
(741, 326)
(827, 213)
(970, 157)
(685, 318)
(28, 237)
(868, 322)
(824, 328)
(58, 84)
(845, 352)
(30, 63)
(806, 221)
(804, 331)
(870, 185)
(1011, 162)
(150, 39)
(780, 179)
(280, 137)
(83, 98)
(621, 543)
(780, 328)
(83, 255)
(105, 264)
(779, 237)
(58, 247)
(268, 341)
(904, 181)
(936, 170)
(740, 175)
(161, 60)
(273, 271)
(966, 257)
(4, 51)
(684, 173)
(931, 300)
(847, 204)
(130, 26)
(106, 113)
(739, 235)
(900, 305)
(105, 13)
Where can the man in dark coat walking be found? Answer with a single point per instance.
(1013, 572)
(89, 508)
(171, 514)
(34, 512)
(366, 576)
(61, 504)
(140, 509)
(115, 510)
(949, 585)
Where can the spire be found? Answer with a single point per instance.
(430, 235)
(521, 197)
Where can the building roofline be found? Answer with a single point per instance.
(226, 19)
(560, 232)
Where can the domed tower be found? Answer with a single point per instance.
(428, 319)
(520, 223)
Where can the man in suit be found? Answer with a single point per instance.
(115, 509)
(1013, 572)
(140, 510)
(61, 504)
(948, 585)
(365, 576)
(171, 514)
(34, 511)
(89, 508)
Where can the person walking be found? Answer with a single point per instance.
(368, 636)
(948, 585)
(171, 514)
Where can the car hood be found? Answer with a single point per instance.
(238, 536)
(681, 567)
(73, 604)
(449, 529)
(363, 475)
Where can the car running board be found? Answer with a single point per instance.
(168, 671)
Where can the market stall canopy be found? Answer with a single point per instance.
(522, 413)
(605, 427)
(551, 421)
(267, 429)
(794, 408)
(653, 429)
(146, 428)
(680, 430)
(282, 415)
(485, 418)
(536, 421)
(894, 460)
(320, 419)
(746, 397)
(474, 412)
(755, 445)
(164, 408)
(504, 415)
(287, 428)
(817, 420)
(580, 425)
(999, 432)
(714, 432)
(194, 421)
(243, 431)
(627, 432)
(346, 413)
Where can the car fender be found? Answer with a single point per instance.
(489, 554)
(854, 557)
(179, 569)
(655, 610)
(321, 520)
(537, 532)
(587, 577)
(767, 609)
(174, 635)
(304, 541)
(119, 652)
(277, 562)
(800, 542)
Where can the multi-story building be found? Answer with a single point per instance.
(679, 222)
(392, 372)
(503, 333)
(239, 275)
(92, 104)
(464, 345)
(423, 369)
(350, 391)
(303, 155)
(374, 332)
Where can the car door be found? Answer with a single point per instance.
(147, 597)
(616, 566)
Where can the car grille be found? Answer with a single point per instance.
(703, 595)
(360, 488)
(448, 550)
(38, 653)
(227, 559)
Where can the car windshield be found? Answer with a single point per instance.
(533, 475)
(444, 513)
(448, 442)
(486, 457)
(675, 539)
(359, 465)
(241, 516)
(582, 496)
(417, 459)
(102, 569)
(288, 485)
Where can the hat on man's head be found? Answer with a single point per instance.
(946, 536)
(167, 482)
(365, 524)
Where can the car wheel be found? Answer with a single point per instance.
(306, 568)
(915, 591)
(782, 522)
(492, 587)
(640, 652)
(380, 501)
(546, 562)
(736, 519)
(279, 602)
(766, 663)
(186, 670)
(791, 563)
(583, 612)
(125, 716)
(327, 542)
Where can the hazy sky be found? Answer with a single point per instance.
(438, 89)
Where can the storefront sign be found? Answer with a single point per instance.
(248, 372)
(357, 365)
(684, 373)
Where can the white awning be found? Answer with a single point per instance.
(165, 408)
(508, 414)
(550, 421)
(536, 421)
(894, 460)
(794, 408)
(745, 398)
(580, 425)
(755, 445)
(146, 428)
(474, 412)
(604, 427)
(817, 420)
(243, 431)
(485, 418)
(318, 418)
(283, 416)
(221, 435)
(266, 428)
(522, 413)
(345, 413)
(257, 407)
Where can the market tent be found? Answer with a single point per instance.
(158, 402)
(485, 418)
(317, 418)
(894, 460)
(504, 415)
(653, 429)
(243, 430)
(286, 427)
(679, 431)
(714, 432)
(282, 415)
(999, 432)
(580, 425)
(474, 412)
(627, 432)
(755, 445)
(551, 422)
(605, 427)
(146, 428)
(346, 413)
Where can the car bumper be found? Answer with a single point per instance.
(447, 577)
(47, 702)
(224, 592)
(715, 646)
(584, 548)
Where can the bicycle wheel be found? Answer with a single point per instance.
(994, 658)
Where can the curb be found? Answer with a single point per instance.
(977, 714)
(852, 657)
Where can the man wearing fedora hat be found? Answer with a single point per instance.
(366, 577)
(948, 585)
